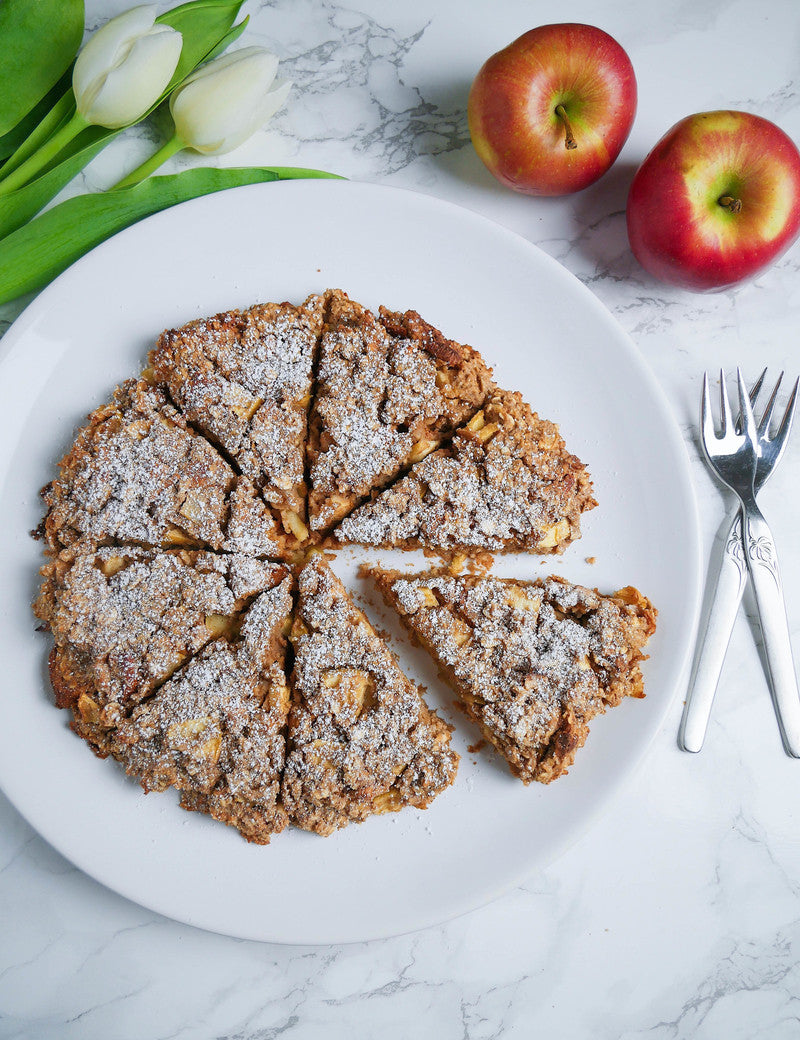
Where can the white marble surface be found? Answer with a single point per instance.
(678, 915)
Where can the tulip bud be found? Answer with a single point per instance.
(224, 102)
(125, 67)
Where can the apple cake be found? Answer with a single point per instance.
(361, 738)
(138, 474)
(215, 730)
(243, 378)
(204, 643)
(504, 483)
(532, 662)
(389, 387)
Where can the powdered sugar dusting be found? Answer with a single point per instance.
(371, 391)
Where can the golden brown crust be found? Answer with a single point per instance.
(409, 325)
(532, 662)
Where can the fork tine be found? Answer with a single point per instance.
(757, 387)
(706, 416)
(725, 417)
(745, 409)
(753, 396)
(788, 415)
(766, 418)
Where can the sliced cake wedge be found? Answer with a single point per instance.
(124, 619)
(361, 738)
(137, 474)
(216, 729)
(504, 483)
(244, 379)
(532, 662)
(389, 388)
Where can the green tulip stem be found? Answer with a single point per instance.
(166, 151)
(569, 138)
(35, 163)
(730, 203)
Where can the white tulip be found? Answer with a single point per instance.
(224, 102)
(125, 67)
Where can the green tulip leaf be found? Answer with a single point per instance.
(207, 28)
(32, 256)
(17, 208)
(39, 42)
(227, 40)
(62, 110)
(203, 25)
(11, 141)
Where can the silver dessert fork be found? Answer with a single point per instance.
(731, 579)
(743, 457)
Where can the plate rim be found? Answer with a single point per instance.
(576, 830)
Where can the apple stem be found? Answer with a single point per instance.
(729, 202)
(569, 139)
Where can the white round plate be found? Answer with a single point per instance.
(545, 335)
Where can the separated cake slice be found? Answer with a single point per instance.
(216, 729)
(138, 475)
(244, 378)
(361, 738)
(531, 661)
(125, 619)
(504, 483)
(388, 389)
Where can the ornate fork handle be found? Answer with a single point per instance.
(762, 562)
(720, 619)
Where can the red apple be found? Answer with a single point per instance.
(716, 201)
(550, 113)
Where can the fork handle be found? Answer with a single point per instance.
(762, 562)
(714, 640)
